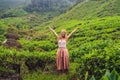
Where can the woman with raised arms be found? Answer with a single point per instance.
(62, 60)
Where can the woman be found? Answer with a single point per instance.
(62, 52)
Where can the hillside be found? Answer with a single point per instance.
(94, 49)
(48, 9)
(49, 5)
(6, 4)
(45, 10)
(12, 8)
(90, 9)
(92, 42)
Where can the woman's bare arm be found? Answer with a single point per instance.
(72, 33)
(53, 32)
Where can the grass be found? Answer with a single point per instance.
(52, 76)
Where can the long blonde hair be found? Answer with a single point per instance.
(65, 35)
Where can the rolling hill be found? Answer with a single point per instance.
(49, 5)
(90, 9)
(6, 4)
(12, 8)
(45, 10)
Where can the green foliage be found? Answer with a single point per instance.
(14, 13)
(95, 46)
(6, 4)
(2, 30)
(48, 5)
(89, 9)
(99, 59)
(97, 42)
(109, 76)
(36, 59)
(39, 46)
(50, 75)
(12, 8)
(92, 78)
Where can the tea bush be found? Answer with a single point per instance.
(32, 60)
(97, 61)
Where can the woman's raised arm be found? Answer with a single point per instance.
(53, 32)
(72, 33)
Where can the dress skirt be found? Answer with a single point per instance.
(62, 59)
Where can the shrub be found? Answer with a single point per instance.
(96, 64)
